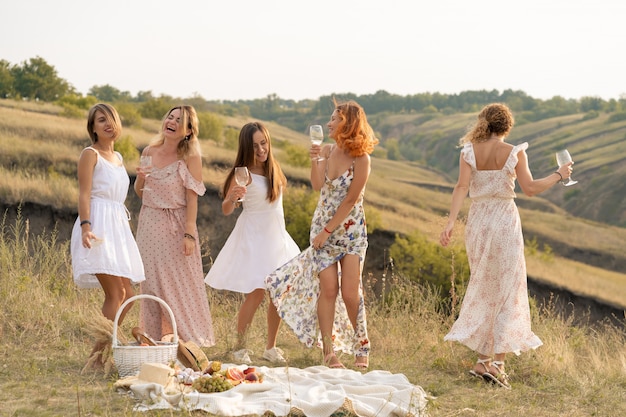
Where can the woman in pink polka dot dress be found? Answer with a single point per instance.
(167, 234)
(495, 314)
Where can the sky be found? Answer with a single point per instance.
(299, 49)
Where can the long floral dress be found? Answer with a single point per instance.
(294, 287)
(170, 275)
(495, 313)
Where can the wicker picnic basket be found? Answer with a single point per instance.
(128, 358)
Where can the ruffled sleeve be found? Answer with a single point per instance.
(468, 155)
(511, 163)
(189, 181)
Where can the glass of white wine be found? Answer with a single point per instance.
(316, 133)
(563, 157)
(146, 166)
(242, 177)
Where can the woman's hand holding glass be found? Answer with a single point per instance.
(242, 178)
(145, 168)
(316, 134)
(564, 159)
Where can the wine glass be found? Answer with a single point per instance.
(563, 157)
(146, 166)
(316, 133)
(242, 177)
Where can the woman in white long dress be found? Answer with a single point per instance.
(495, 314)
(259, 242)
(104, 252)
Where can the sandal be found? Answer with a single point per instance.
(499, 377)
(336, 364)
(482, 362)
(361, 361)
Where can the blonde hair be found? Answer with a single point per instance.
(353, 131)
(111, 115)
(189, 120)
(493, 118)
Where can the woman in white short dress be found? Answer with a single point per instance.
(104, 252)
(259, 242)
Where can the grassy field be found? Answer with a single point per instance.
(45, 320)
(45, 341)
(39, 149)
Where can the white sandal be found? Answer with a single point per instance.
(482, 362)
(501, 378)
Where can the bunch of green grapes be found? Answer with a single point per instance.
(207, 384)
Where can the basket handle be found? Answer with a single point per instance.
(137, 297)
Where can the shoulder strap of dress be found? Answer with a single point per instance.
(94, 150)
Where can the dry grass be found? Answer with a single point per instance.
(44, 343)
(39, 150)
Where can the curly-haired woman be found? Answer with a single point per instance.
(495, 314)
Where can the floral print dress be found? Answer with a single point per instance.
(495, 313)
(294, 287)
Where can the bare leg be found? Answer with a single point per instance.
(329, 289)
(246, 314)
(350, 286)
(116, 291)
(273, 323)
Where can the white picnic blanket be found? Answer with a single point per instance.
(316, 391)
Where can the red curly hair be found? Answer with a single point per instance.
(353, 131)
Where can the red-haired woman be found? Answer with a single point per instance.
(305, 290)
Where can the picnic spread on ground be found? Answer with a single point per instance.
(240, 390)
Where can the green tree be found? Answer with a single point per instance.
(156, 107)
(421, 260)
(129, 114)
(126, 146)
(38, 80)
(6, 80)
(299, 204)
(211, 126)
(109, 94)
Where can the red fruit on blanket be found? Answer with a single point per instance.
(234, 374)
(252, 377)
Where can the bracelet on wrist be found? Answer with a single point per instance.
(85, 222)
(560, 176)
(189, 236)
(327, 231)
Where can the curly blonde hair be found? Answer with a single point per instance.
(353, 131)
(493, 118)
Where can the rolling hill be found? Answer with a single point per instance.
(581, 225)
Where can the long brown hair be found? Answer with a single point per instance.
(246, 157)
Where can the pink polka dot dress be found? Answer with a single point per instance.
(170, 275)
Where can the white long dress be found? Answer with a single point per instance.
(258, 244)
(117, 254)
(495, 313)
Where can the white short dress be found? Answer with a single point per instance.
(258, 244)
(117, 254)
